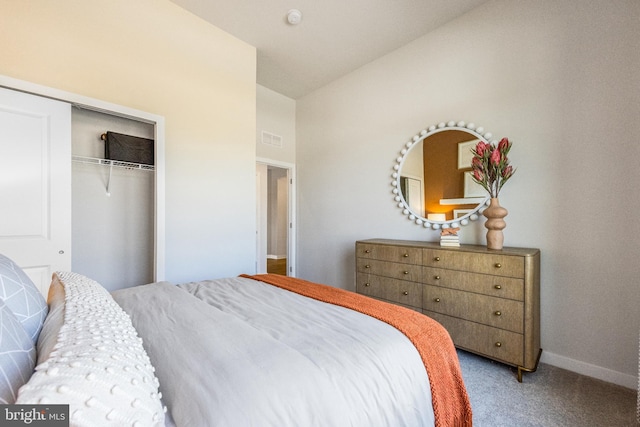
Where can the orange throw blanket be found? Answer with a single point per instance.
(450, 400)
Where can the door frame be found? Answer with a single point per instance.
(291, 211)
(125, 112)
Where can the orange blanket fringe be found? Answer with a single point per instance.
(451, 404)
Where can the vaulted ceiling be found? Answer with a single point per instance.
(333, 38)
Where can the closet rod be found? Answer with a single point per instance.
(116, 163)
(111, 164)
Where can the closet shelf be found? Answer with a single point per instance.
(114, 163)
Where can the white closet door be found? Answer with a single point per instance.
(35, 184)
(414, 195)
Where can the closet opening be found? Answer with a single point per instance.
(89, 118)
(112, 231)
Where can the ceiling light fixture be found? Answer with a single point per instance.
(294, 16)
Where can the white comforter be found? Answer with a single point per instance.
(238, 352)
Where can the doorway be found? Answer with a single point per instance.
(275, 248)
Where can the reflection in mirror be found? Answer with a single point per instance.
(432, 181)
(443, 173)
(412, 190)
(412, 180)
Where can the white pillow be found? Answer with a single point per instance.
(98, 365)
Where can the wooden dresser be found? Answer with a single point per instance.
(488, 300)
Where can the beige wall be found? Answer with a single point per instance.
(560, 78)
(276, 114)
(153, 56)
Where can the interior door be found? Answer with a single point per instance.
(261, 218)
(413, 194)
(35, 184)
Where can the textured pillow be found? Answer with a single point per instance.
(54, 321)
(22, 297)
(98, 365)
(17, 356)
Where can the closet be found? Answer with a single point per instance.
(64, 207)
(112, 204)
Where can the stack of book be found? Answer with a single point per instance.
(449, 237)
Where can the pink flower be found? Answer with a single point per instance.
(490, 165)
(496, 157)
(481, 147)
(503, 144)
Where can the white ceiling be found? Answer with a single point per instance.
(334, 38)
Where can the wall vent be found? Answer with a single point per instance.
(271, 139)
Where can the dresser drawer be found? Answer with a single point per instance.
(497, 286)
(406, 255)
(495, 264)
(418, 309)
(497, 312)
(496, 343)
(394, 290)
(408, 272)
(489, 301)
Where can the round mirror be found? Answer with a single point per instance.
(432, 181)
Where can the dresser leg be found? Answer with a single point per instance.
(523, 369)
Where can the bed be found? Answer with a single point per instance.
(259, 350)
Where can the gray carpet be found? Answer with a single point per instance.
(549, 397)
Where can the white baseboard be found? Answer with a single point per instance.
(271, 256)
(583, 368)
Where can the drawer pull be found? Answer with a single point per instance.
(367, 266)
(367, 251)
(436, 277)
(498, 265)
(498, 344)
(406, 255)
(498, 313)
(405, 293)
(437, 258)
(405, 272)
(436, 299)
(366, 285)
(498, 287)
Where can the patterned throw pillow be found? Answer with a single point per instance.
(22, 297)
(98, 365)
(17, 356)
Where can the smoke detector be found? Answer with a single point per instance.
(294, 16)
